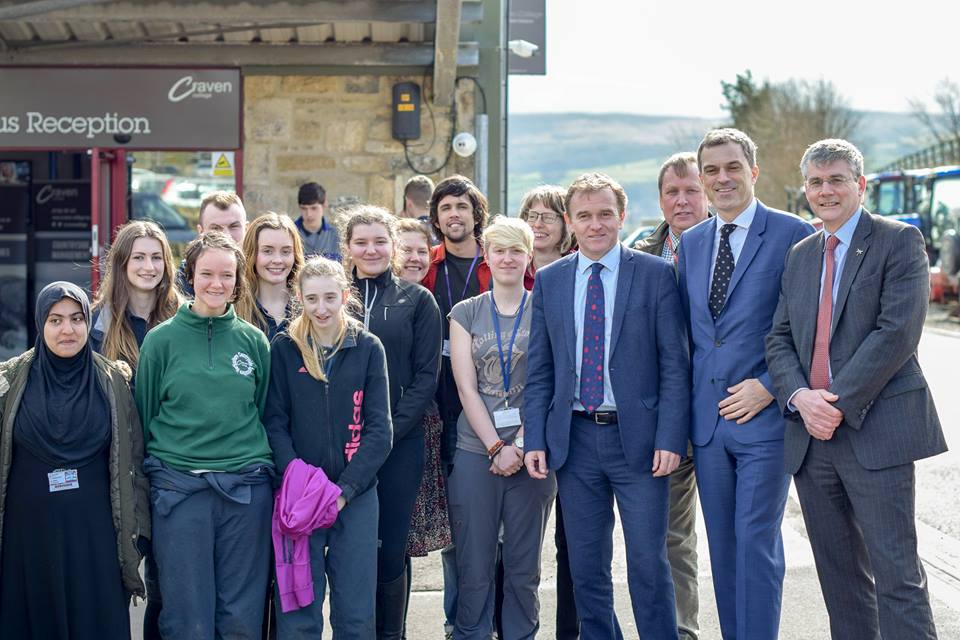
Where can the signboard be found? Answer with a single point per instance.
(132, 108)
(62, 240)
(14, 211)
(222, 165)
(528, 22)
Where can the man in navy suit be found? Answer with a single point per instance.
(607, 406)
(730, 269)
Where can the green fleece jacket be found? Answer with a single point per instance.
(201, 391)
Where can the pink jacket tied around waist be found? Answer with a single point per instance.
(307, 500)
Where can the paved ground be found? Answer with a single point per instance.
(804, 616)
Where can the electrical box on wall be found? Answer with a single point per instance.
(406, 111)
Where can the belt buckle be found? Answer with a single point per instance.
(602, 417)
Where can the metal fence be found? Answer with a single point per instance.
(942, 153)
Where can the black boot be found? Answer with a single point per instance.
(408, 573)
(391, 602)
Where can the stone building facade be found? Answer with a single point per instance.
(336, 130)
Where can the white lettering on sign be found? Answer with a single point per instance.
(110, 123)
(9, 124)
(48, 192)
(186, 87)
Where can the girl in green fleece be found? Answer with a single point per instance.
(201, 388)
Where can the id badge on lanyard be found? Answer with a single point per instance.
(508, 417)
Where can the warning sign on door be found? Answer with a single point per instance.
(223, 164)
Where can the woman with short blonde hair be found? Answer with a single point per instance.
(489, 487)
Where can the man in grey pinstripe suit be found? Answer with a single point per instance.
(842, 355)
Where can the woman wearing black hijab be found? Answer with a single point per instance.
(73, 498)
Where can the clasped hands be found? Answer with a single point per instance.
(508, 461)
(816, 410)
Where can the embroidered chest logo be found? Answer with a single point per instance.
(242, 363)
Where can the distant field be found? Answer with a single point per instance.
(555, 148)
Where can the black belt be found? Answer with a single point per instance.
(598, 417)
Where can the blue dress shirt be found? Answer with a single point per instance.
(608, 276)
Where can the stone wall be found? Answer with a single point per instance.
(336, 130)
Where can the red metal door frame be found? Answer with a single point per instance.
(106, 213)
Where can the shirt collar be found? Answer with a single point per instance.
(743, 219)
(845, 232)
(611, 259)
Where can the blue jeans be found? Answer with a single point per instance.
(346, 553)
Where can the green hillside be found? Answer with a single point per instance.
(555, 148)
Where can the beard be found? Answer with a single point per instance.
(457, 237)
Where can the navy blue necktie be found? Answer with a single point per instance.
(722, 271)
(591, 364)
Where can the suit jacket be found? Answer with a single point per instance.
(649, 362)
(731, 349)
(877, 322)
(653, 243)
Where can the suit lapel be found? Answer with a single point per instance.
(856, 252)
(750, 248)
(624, 282)
(567, 286)
(698, 250)
(810, 262)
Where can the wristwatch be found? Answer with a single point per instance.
(518, 442)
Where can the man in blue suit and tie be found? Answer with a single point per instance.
(730, 269)
(607, 405)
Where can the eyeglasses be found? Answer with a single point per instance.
(835, 182)
(548, 217)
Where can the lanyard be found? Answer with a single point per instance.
(676, 256)
(466, 283)
(368, 304)
(505, 362)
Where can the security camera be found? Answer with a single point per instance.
(464, 144)
(523, 48)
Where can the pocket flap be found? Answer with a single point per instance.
(905, 382)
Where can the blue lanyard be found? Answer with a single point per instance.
(505, 361)
(466, 283)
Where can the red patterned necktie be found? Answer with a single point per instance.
(820, 367)
(591, 363)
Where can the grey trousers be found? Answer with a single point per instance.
(864, 539)
(479, 501)
(682, 548)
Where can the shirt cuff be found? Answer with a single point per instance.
(792, 395)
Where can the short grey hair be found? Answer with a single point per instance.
(830, 150)
(717, 137)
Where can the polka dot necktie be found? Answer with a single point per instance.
(722, 271)
(591, 364)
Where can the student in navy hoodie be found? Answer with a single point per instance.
(329, 405)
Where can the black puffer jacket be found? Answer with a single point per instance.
(406, 318)
(342, 426)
